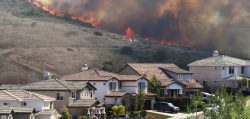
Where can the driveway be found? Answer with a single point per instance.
(176, 116)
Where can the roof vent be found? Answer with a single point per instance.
(216, 53)
(85, 67)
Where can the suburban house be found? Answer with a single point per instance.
(18, 113)
(219, 69)
(20, 104)
(111, 88)
(78, 97)
(175, 81)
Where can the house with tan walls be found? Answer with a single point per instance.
(175, 81)
(18, 113)
(21, 104)
(218, 69)
(111, 87)
(78, 97)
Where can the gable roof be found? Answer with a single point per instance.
(192, 84)
(89, 75)
(7, 110)
(157, 70)
(55, 84)
(22, 95)
(220, 60)
(98, 75)
(150, 69)
(176, 70)
(84, 103)
(4, 110)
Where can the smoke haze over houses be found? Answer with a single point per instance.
(215, 24)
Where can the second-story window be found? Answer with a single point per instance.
(23, 104)
(59, 96)
(231, 70)
(112, 86)
(73, 95)
(242, 70)
(141, 85)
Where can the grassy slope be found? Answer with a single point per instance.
(32, 41)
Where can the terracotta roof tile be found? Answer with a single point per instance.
(98, 75)
(151, 69)
(116, 94)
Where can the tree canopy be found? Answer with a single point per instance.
(154, 85)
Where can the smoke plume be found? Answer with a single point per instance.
(214, 24)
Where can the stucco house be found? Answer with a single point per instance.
(20, 104)
(214, 71)
(78, 97)
(111, 87)
(176, 82)
(17, 113)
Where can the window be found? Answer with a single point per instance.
(223, 68)
(242, 70)
(120, 85)
(46, 104)
(23, 104)
(162, 92)
(204, 83)
(231, 70)
(104, 84)
(86, 93)
(112, 86)
(141, 85)
(91, 94)
(73, 95)
(59, 96)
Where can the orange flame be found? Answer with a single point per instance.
(91, 20)
(130, 33)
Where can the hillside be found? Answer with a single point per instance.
(32, 41)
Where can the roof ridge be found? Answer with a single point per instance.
(12, 95)
(62, 84)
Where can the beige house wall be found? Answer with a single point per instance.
(11, 103)
(58, 104)
(210, 74)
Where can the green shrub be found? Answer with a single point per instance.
(143, 113)
(83, 117)
(127, 50)
(65, 114)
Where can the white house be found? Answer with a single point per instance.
(213, 71)
(24, 100)
(112, 87)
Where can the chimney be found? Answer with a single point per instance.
(85, 67)
(47, 75)
(216, 53)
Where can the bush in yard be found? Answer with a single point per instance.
(143, 113)
(154, 85)
(83, 117)
(118, 110)
(65, 114)
(222, 105)
(140, 100)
